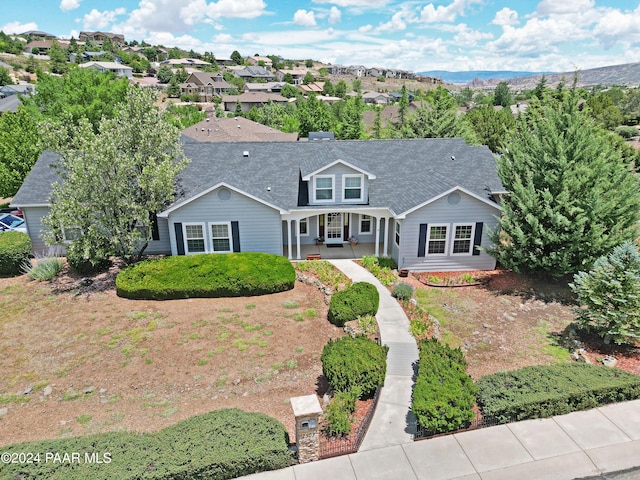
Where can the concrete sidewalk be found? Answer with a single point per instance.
(393, 422)
(578, 445)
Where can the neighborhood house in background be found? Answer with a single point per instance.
(428, 203)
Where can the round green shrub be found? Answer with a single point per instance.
(355, 301)
(402, 291)
(354, 362)
(15, 248)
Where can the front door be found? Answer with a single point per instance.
(333, 228)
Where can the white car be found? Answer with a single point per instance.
(13, 223)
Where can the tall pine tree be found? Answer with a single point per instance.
(572, 194)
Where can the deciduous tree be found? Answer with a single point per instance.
(115, 180)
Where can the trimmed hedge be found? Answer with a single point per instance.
(357, 300)
(545, 391)
(354, 362)
(15, 248)
(207, 275)
(215, 446)
(444, 394)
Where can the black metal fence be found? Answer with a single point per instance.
(478, 422)
(336, 446)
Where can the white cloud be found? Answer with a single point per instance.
(396, 24)
(431, 14)
(355, 3)
(538, 37)
(96, 20)
(467, 36)
(555, 7)
(615, 26)
(235, 9)
(66, 5)
(334, 15)
(304, 18)
(181, 16)
(223, 38)
(506, 16)
(17, 27)
(365, 28)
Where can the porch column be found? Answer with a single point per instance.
(298, 237)
(289, 246)
(376, 251)
(386, 237)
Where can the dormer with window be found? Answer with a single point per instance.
(338, 183)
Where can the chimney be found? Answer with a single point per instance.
(245, 153)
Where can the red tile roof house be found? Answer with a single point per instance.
(428, 203)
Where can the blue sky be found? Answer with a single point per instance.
(458, 35)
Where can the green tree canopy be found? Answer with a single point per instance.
(20, 147)
(502, 95)
(84, 92)
(165, 74)
(572, 194)
(490, 126)
(236, 58)
(350, 126)
(438, 119)
(5, 78)
(314, 116)
(115, 179)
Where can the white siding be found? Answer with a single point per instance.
(468, 210)
(259, 225)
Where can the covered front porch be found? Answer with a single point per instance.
(332, 252)
(336, 232)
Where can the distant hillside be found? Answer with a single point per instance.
(471, 75)
(627, 74)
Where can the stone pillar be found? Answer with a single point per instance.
(307, 411)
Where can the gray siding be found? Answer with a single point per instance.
(338, 170)
(33, 217)
(259, 225)
(469, 210)
(162, 246)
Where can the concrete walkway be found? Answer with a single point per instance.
(392, 423)
(574, 446)
(581, 445)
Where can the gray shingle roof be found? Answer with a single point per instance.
(408, 172)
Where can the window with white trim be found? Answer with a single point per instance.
(365, 224)
(323, 188)
(194, 237)
(221, 241)
(397, 230)
(437, 239)
(304, 226)
(462, 242)
(352, 187)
